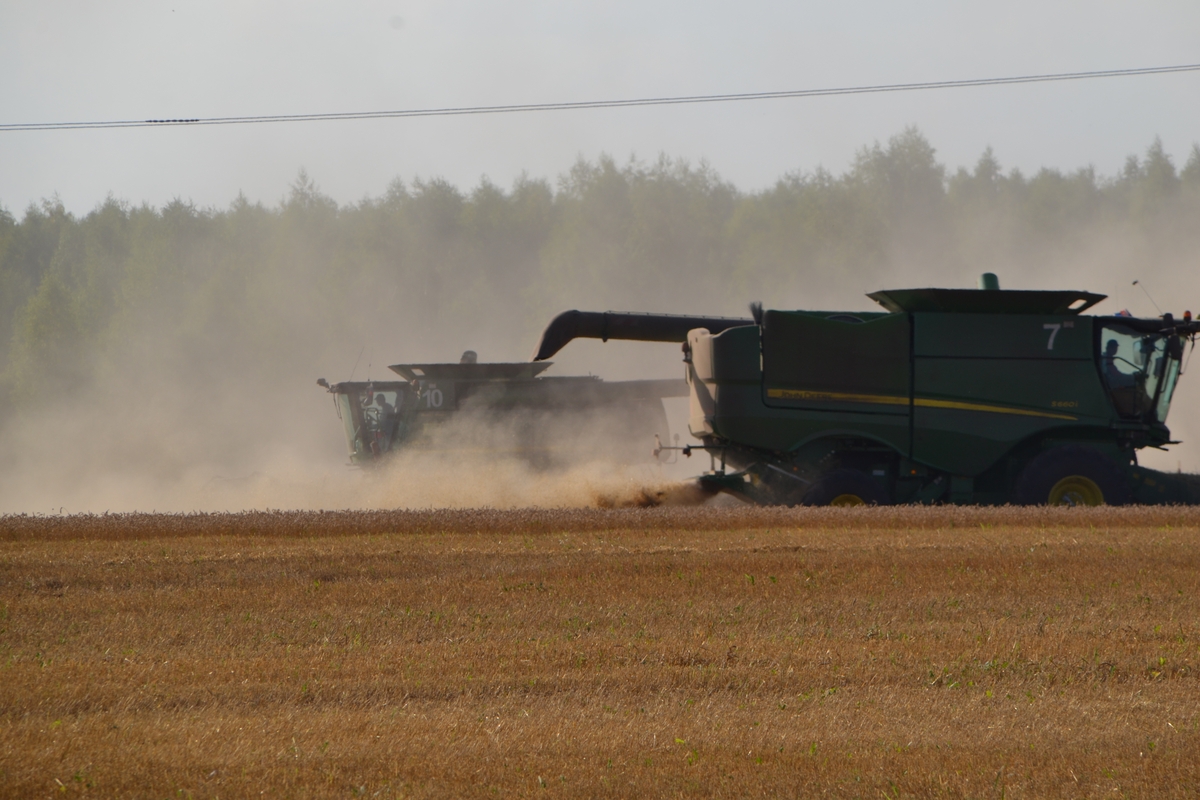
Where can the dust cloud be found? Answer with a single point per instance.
(166, 359)
(164, 464)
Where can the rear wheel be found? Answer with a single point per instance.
(1072, 475)
(845, 487)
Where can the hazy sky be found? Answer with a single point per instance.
(71, 60)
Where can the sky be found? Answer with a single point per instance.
(72, 61)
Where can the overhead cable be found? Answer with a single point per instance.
(454, 111)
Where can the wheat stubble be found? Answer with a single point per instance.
(621, 652)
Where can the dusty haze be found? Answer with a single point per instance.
(165, 358)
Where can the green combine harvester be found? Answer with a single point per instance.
(490, 411)
(981, 396)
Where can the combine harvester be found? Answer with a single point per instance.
(982, 396)
(502, 410)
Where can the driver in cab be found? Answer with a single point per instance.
(1112, 374)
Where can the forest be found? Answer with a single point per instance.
(129, 298)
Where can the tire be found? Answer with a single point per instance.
(1072, 474)
(846, 487)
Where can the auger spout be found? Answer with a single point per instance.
(630, 326)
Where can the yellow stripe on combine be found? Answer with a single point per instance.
(923, 402)
(801, 394)
(927, 402)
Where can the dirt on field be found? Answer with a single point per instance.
(621, 652)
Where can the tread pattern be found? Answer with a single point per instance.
(1033, 485)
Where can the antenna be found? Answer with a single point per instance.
(360, 352)
(1148, 297)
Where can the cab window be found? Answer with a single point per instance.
(1139, 370)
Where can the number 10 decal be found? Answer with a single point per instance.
(434, 398)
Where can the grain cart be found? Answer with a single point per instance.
(945, 396)
(489, 410)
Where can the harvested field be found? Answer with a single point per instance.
(910, 652)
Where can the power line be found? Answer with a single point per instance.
(455, 111)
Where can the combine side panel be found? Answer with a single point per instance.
(834, 376)
(984, 383)
(725, 398)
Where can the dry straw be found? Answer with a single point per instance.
(900, 652)
(550, 520)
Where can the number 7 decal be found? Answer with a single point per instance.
(1054, 328)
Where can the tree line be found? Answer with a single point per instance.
(264, 292)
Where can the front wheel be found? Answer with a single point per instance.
(846, 487)
(1072, 475)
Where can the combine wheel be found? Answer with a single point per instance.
(1072, 475)
(845, 487)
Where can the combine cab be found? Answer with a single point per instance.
(946, 395)
(502, 410)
